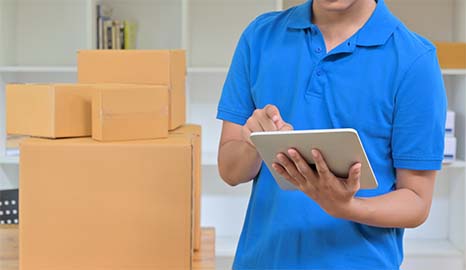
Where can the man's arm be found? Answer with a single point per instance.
(406, 207)
(238, 159)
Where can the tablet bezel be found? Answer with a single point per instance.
(345, 141)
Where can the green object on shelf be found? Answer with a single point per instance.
(130, 35)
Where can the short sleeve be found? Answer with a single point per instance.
(419, 116)
(236, 104)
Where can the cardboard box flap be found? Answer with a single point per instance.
(120, 102)
(188, 129)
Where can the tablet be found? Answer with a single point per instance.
(341, 148)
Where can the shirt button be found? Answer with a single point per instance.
(318, 50)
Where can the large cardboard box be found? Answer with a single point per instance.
(451, 54)
(122, 112)
(86, 205)
(194, 133)
(162, 67)
(48, 110)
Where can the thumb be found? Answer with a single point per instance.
(354, 176)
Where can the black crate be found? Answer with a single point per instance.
(9, 206)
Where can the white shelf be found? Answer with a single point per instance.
(226, 247)
(159, 23)
(428, 248)
(74, 69)
(9, 160)
(215, 27)
(35, 32)
(209, 158)
(455, 164)
(208, 70)
(39, 69)
(15, 69)
(454, 72)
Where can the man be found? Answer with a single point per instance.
(333, 64)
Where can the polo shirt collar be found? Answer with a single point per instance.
(376, 31)
(301, 16)
(378, 28)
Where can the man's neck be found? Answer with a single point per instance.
(339, 25)
(356, 14)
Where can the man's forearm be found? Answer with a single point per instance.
(401, 208)
(238, 162)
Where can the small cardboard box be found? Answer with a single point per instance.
(160, 67)
(129, 112)
(119, 205)
(449, 154)
(194, 132)
(450, 124)
(48, 110)
(451, 54)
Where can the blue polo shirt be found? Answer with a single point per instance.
(384, 81)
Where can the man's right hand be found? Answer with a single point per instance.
(266, 119)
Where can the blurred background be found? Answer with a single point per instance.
(39, 40)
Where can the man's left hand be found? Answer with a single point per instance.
(335, 195)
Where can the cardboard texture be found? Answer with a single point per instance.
(86, 205)
(161, 67)
(123, 112)
(451, 54)
(49, 110)
(194, 133)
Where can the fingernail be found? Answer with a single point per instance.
(291, 152)
(358, 171)
(358, 167)
(314, 153)
(275, 118)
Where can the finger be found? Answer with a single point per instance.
(321, 165)
(263, 120)
(266, 123)
(281, 171)
(354, 177)
(250, 126)
(302, 166)
(286, 127)
(289, 166)
(273, 113)
(253, 125)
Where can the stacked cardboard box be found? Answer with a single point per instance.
(127, 198)
(451, 55)
(449, 154)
